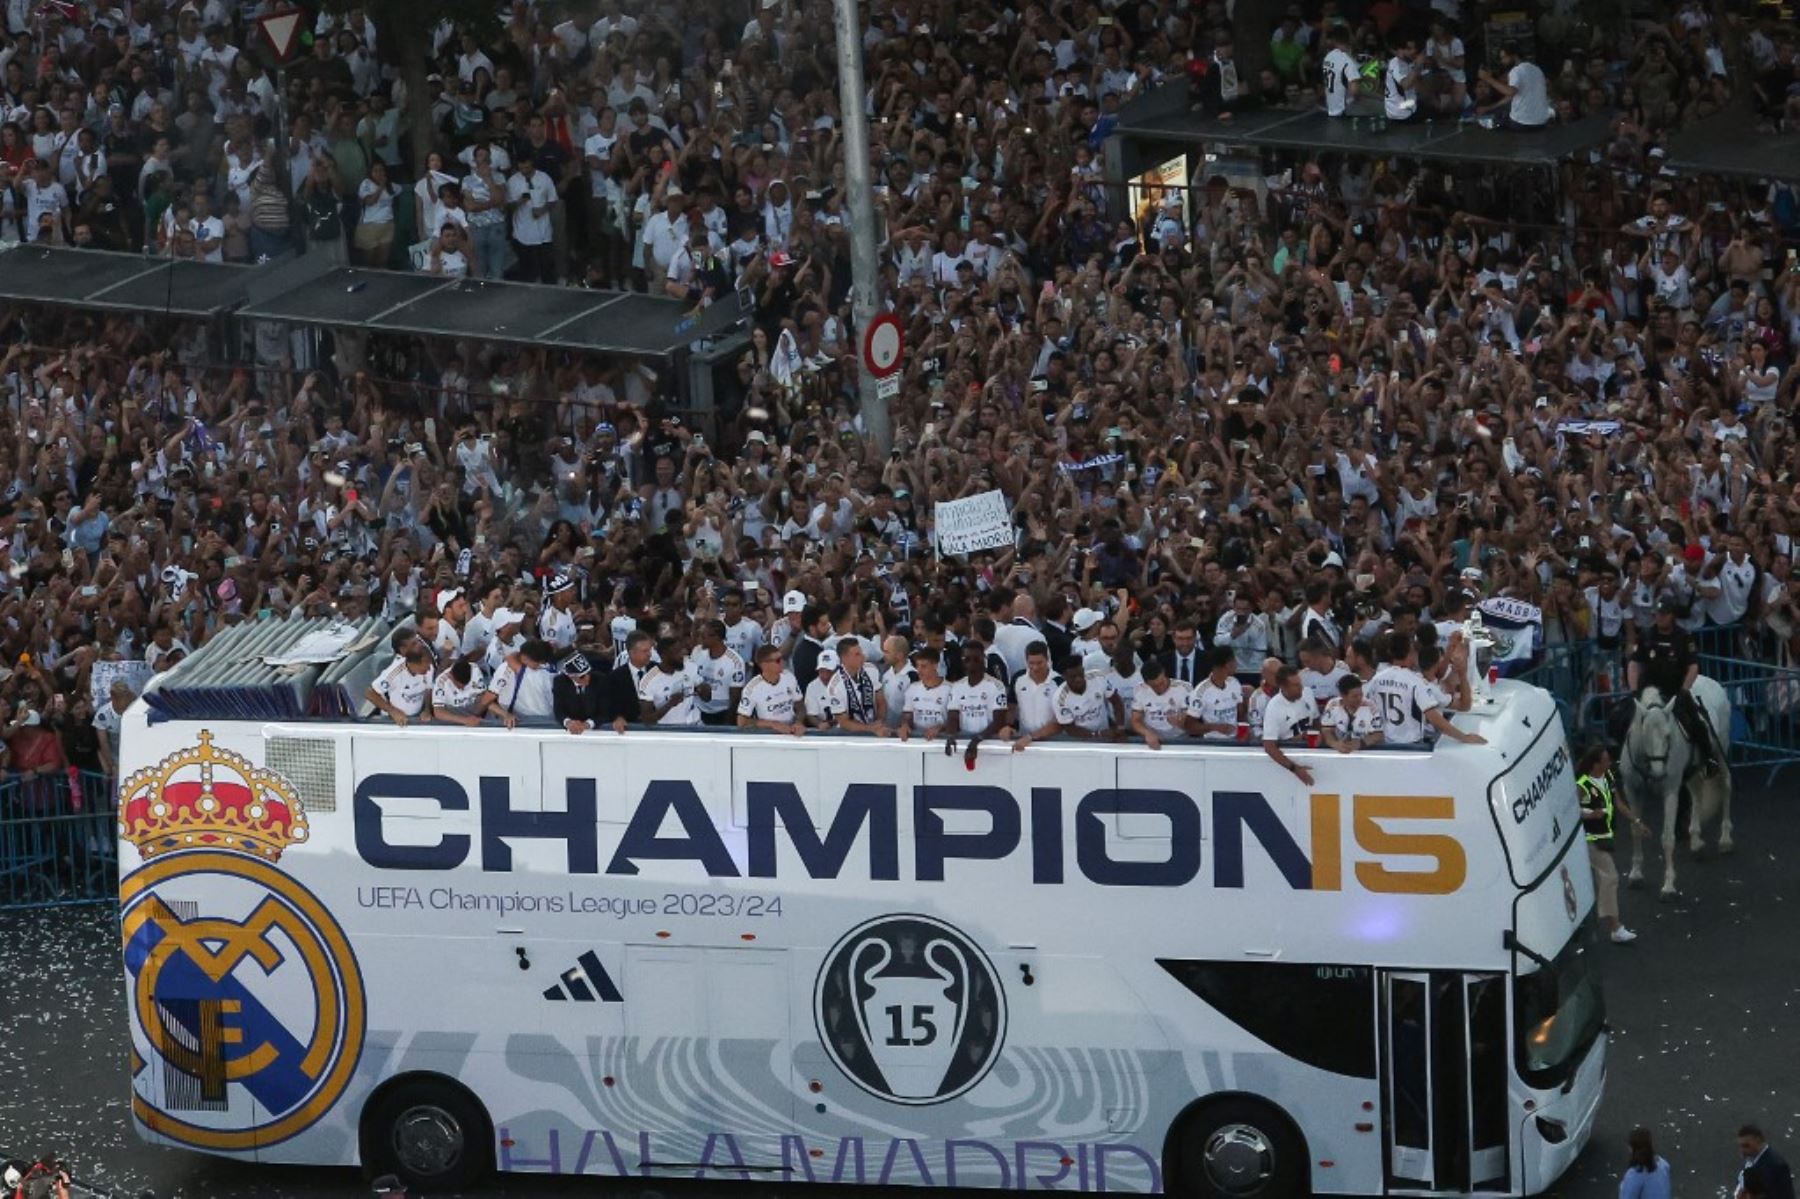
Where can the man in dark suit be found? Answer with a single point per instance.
(581, 704)
(621, 703)
(1186, 663)
(1765, 1174)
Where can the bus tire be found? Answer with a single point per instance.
(430, 1131)
(1237, 1148)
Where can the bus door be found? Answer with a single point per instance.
(1444, 1066)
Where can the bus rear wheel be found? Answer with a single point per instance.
(1239, 1149)
(428, 1132)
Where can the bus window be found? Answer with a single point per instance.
(1318, 1014)
(1559, 1010)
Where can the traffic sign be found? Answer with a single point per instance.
(281, 29)
(883, 342)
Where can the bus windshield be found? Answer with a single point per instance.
(1559, 1011)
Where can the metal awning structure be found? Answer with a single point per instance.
(112, 282)
(1728, 143)
(1310, 129)
(610, 322)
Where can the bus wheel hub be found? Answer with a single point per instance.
(1239, 1159)
(427, 1140)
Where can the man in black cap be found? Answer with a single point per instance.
(1665, 659)
(580, 703)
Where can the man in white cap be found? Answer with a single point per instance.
(818, 690)
(787, 630)
(508, 639)
(1086, 624)
(556, 622)
(453, 614)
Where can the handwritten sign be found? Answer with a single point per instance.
(974, 523)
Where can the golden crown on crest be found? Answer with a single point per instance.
(210, 798)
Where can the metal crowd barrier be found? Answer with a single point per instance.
(58, 840)
(1588, 683)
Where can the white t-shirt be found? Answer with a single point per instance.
(1217, 703)
(1402, 97)
(722, 674)
(1084, 711)
(1324, 687)
(1340, 70)
(777, 701)
(447, 696)
(402, 688)
(853, 698)
(927, 706)
(1287, 719)
(1735, 580)
(1402, 697)
(526, 693)
(660, 687)
(744, 638)
(977, 704)
(1036, 702)
(382, 210)
(1531, 104)
(538, 192)
(1162, 713)
(1345, 723)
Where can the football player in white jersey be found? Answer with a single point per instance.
(772, 699)
(926, 705)
(1078, 709)
(1407, 701)
(1350, 721)
(1159, 708)
(978, 706)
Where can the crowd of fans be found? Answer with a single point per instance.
(1298, 428)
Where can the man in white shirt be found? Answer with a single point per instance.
(1287, 718)
(1343, 79)
(1406, 701)
(667, 690)
(818, 690)
(1524, 92)
(1735, 576)
(853, 696)
(925, 707)
(1321, 670)
(665, 232)
(403, 690)
(531, 194)
(556, 622)
(1400, 101)
(1350, 722)
(721, 673)
(1159, 707)
(1076, 709)
(978, 706)
(772, 699)
(1034, 694)
(744, 635)
(523, 688)
(1217, 704)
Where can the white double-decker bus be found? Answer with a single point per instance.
(724, 955)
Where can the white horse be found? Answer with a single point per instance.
(1655, 763)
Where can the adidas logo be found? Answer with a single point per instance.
(585, 982)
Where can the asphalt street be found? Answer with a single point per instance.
(1703, 1008)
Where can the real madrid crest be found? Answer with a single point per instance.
(247, 1006)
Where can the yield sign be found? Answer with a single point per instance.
(281, 29)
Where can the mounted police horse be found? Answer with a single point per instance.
(1656, 761)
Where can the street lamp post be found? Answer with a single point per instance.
(865, 268)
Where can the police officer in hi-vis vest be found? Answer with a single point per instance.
(1600, 799)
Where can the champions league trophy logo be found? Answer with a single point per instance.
(910, 1009)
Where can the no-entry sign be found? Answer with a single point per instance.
(883, 343)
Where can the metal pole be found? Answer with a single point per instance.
(865, 268)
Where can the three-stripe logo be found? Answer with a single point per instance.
(585, 982)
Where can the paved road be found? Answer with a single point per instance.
(1703, 1005)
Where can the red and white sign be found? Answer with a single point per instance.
(282, 30)
(883, 343)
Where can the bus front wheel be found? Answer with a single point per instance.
(430, 1133)
(1239, 1149)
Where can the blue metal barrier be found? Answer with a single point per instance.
(58, 840)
